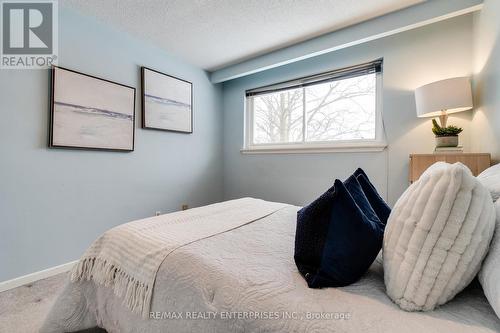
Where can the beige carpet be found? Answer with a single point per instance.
(23, 309)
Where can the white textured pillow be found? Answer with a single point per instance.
(490, 178)
(489, 276)
(436, 237)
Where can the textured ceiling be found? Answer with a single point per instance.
(212, 34)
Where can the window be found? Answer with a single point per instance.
(335, 110)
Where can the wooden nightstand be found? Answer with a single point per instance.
(476, 162)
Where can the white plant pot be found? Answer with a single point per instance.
(447, 141)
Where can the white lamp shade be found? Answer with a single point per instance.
(450, 95)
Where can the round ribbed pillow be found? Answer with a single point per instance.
(436, 237)
(490, 178)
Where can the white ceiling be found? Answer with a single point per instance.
(212, 34)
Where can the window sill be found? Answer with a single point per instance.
(316, 149)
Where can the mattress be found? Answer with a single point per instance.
(245, 280)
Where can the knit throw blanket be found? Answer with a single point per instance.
(127, 258)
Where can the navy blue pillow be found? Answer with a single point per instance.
(355, 189)
(312, 227)
(338, 236)
(378, 204)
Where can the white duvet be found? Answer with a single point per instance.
(250, 270)
(126, 258)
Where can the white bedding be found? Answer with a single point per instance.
(251, 268)
(127, 258)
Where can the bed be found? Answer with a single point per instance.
(245, 280)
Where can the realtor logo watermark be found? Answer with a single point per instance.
(29, 34)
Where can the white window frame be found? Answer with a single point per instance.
(368, 145)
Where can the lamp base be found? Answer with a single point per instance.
(443, 118)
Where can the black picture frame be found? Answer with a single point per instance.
(144, 115)
(53, 102)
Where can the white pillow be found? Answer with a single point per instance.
(436, 237)
(489, 276)
(490, 178)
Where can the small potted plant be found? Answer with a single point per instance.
(446, 136)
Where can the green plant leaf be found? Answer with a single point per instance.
(445, 131)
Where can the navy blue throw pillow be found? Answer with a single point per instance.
(378, 204)
(354, 188)
(312, 227)
(338, 236)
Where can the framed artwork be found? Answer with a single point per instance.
(167, 102)
(88, 112)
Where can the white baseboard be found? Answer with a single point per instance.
(25, 279)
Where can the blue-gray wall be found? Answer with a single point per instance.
(54, 203)
(486, 122)
(411, 59)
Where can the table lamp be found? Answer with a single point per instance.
(438, 99)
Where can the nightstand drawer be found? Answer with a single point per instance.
(477, 162)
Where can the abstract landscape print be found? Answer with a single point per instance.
(89, 112)
(167, 102)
